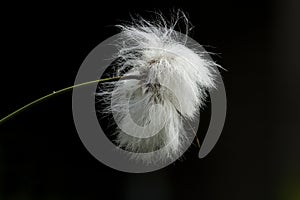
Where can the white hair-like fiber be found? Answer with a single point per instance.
(171, 86)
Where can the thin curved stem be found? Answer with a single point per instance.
(11, 115)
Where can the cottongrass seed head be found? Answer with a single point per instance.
(171, 85)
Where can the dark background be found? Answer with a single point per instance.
(257, 156)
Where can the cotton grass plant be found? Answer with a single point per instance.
(158, 82)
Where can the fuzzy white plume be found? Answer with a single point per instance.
(171, 86)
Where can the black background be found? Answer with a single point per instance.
(257, 156)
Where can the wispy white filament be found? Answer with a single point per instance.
(171, 86)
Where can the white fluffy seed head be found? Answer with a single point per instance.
(172, 84)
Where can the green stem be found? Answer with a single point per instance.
(56, 93)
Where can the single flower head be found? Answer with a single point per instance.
(171, 86)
